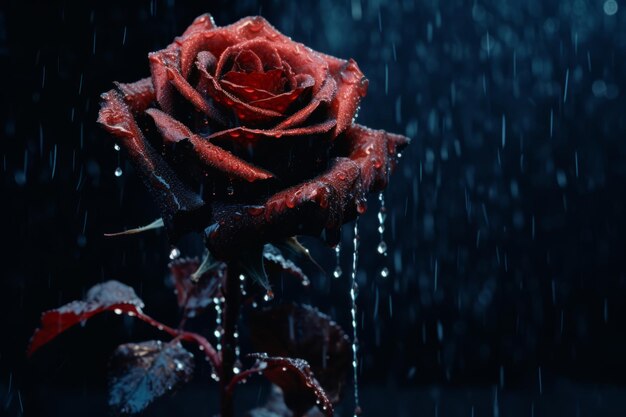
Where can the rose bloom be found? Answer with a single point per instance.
(248, 137)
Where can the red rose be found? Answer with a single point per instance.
(246, 135)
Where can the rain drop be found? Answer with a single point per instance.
(337, 272)
(118, 172)
(610, 7)
(382, 248)
(174, 253)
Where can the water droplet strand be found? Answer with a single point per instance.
(354, 289)
(337, 272)
(382, 245)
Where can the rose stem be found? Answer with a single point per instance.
(229, 341)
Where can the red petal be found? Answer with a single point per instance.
(270, 82)
(159, 61)
(325, 95)
(176, 201)
(244, 111)
(201, 23)
(302, 59)
(194, 97)
(265, 51)
(247, 136)
(326, 201)
(206, 60)
(375, 152)
(282, 102)
(210, 154)
(248, 61)
(138, 95)
(246, 94)
(323, 203)
(214, 41)
(351, 87)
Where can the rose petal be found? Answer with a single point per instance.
(269, 83)
(206, 60)
(283, 101)
(351, 87)
(212, 155)
(159, 61)
(248, 61)
(325, 95)
(177, 203)
(246, 113)
(375, 152)
(323, 203)
(266, 52)
(201, 23)
(194, 97)
(247, 136)
(138, 95)
(246, 94)
(290, 76)
(326, 201)
(214, 41)
(300, 57)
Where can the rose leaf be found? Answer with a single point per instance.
(276, 262)
(141, 372)
(195, 295)
(294, 376)
(108, 296)
(276, 407)
(302, 331)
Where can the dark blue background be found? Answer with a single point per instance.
(506, 250)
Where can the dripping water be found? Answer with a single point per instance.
(354, 289)
(118, 171)
(219, 330)
(175, 252)
(218, 323)
(337, 272)
(237, 366)
(382, 245)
